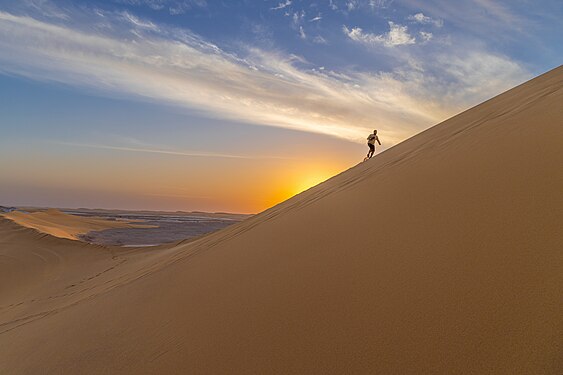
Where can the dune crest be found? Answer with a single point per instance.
(441, 255)
(59, 224)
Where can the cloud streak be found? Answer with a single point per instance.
(487, 18)
(282, 5)
(174, 7)
(397, 36)
(166, 152)
(171, 65)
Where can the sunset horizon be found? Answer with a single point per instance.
(200, 106)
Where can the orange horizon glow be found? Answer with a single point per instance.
(301, 182)
(163, 183)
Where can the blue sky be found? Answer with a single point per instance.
(254, 80)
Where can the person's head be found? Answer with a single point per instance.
(375, 132)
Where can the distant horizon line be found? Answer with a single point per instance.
(18, 207)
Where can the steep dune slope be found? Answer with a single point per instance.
(441, 255)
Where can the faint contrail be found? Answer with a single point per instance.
(169, 152)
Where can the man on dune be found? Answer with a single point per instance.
(371, 144)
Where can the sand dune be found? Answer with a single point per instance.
(59, 224)
(441, 255)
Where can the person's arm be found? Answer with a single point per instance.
(377, 138)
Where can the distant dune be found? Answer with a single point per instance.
(58, 224)
(441, 255)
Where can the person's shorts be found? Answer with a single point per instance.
(371, 147)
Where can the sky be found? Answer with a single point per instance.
(238, 105)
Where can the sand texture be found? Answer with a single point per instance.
(442, 255)
(59, 224)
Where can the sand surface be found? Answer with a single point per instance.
(442, 255)
(59, 224)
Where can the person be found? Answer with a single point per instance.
(371, 144)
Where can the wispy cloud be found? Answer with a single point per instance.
(397, 36)
(352, 5)
(379, 4)
(171, 65)
(46, 8)
(319, 40)
(298, 17)
(349, 6)
(137, 22)
(425, 20)
(302, 33)
(487, 18)
(165, 152)
(499, 11)
(174, 7)
(425, 36)
(282, 5)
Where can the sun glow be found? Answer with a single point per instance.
(299, 183)
(285, 187)
(310, 180)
